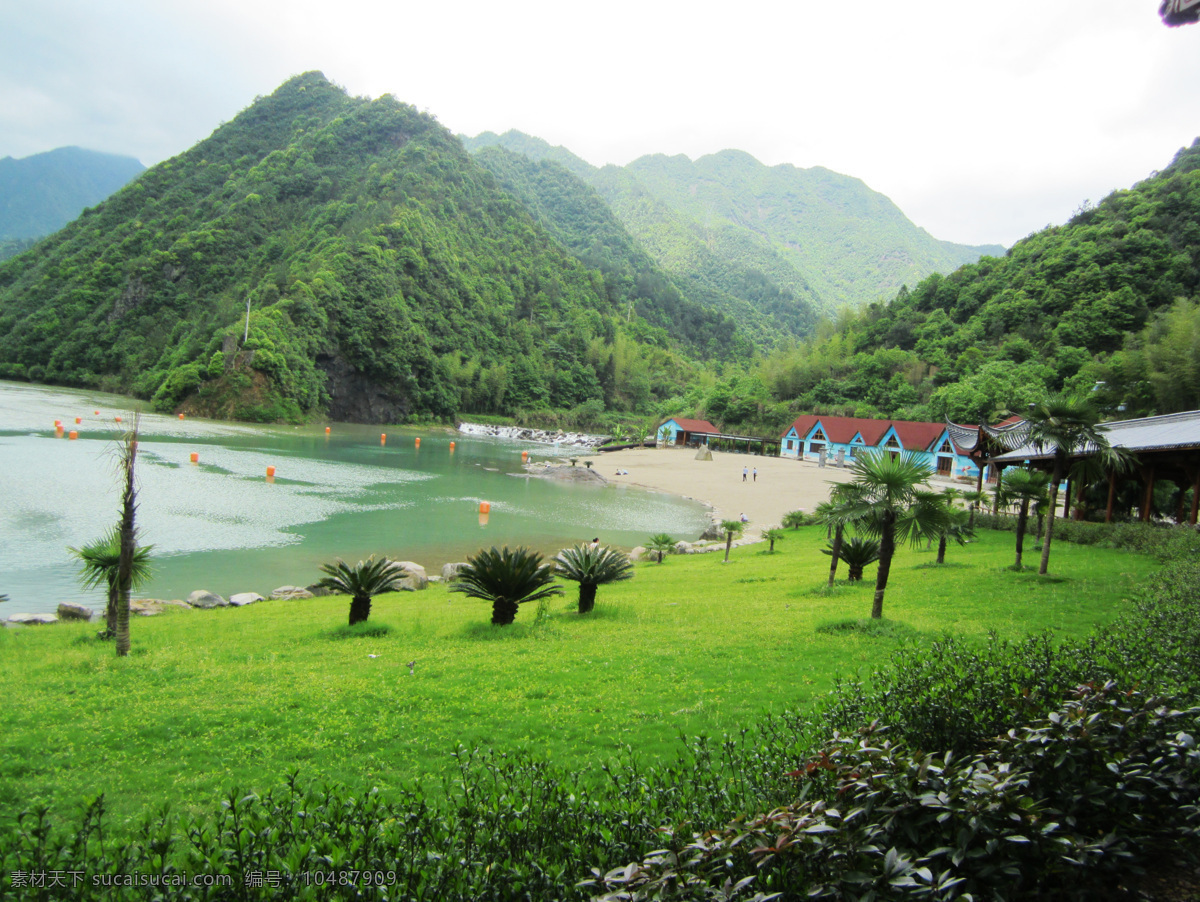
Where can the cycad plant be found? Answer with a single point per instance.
(507, 578)
(856, 553)
(1023, 487)
(361, 582)
(794, 519)
(592, 566)
(660, 544)
(100, 565)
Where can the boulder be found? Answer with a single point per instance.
(244, 598)
(714, 533)
(417, 578)
(202, 598)
(638, 553)
(32, 619)
(683, 547)
(450, 571)
(146, 607)
(319, 591)
(70, 611)
(290, 593)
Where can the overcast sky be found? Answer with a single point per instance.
(982, 121)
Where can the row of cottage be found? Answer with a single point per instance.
(837, 440)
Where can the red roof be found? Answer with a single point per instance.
(695, 425)
(913, 435)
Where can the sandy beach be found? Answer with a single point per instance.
(783, 484)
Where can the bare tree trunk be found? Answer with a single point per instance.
(1022, 525)
(128, 538)
(728, 545)
(887, 548)
(1054, 480)
(837, 550)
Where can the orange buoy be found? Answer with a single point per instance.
(181, 416)
(383, 438)
(78, 420)
(271, 472)
(418, 443)
(524, 456)
(327, 430)
(96, 412)
(118, 419)
(195, 457)
(452, 446)
(74, 435)
(485, 507)
(58, 424)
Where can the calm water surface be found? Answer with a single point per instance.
(220, 525)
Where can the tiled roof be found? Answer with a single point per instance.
(1169, 432)
(695, 425)
(913, 435)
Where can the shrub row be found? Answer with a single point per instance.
(1083, 782)
(1165, 542)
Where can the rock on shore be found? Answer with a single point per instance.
(541, 436)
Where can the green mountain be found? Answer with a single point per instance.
(1108, 302)
(42, 193)
(386, 274)
(790, 243)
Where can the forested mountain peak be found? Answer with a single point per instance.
(783, 242)
(386, 274)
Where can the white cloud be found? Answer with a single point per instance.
(982, 121)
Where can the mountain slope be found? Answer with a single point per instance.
(386, 273)
(793, 243)
(1108, 303)
(40, 194)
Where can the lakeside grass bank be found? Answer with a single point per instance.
(210, 700)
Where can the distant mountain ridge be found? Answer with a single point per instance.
(40, 194)
(727, 223)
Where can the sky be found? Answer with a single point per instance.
(983, 122)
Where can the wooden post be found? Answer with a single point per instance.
(1149, 497)
(1067, 499)
(996, 496)
(1195, 499)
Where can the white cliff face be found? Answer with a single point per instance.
(520, 433)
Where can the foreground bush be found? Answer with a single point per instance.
(914, 796)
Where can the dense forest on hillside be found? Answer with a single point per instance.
(774, 247)
(386, 273)
(1109, 301)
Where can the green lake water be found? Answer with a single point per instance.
(220, 525)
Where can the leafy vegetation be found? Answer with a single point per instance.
(1107, 301)
(508, 578)
(592, 566)
(361, 581)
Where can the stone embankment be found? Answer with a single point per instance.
(541, 436)
(204, 600)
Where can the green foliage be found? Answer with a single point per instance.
(857, 553)
(361, 581)
(592, 566)
(507, 578)
(661, 544)
(388, 277)
(773, 535)
(100, 563)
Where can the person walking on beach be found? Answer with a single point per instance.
(743, 474)
(756, 474)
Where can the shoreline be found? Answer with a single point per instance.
(783, 484)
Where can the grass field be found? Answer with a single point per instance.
(210, 700)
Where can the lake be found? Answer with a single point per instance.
(219, 524)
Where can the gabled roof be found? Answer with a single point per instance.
(1008, 434)
(803, 425)
(686, 425)
(918, 436)
(913, 435)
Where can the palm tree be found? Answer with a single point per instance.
(857, 553)
(1022, 487)
(362, 581)
(773, 535)
(660, 544)
(794, 519)
(1066, 424)
(127, 532)
(592, 566)
(976, 499)
(958, 524)
(893, 504)
(730, 527)
(844, 508)
(507, 579)
(101, 562)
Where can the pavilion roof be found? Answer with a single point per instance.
(1169, 432)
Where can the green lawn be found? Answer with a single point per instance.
(209, 700)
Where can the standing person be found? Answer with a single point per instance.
(743, 474)
(596, 543)
(756, 474)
